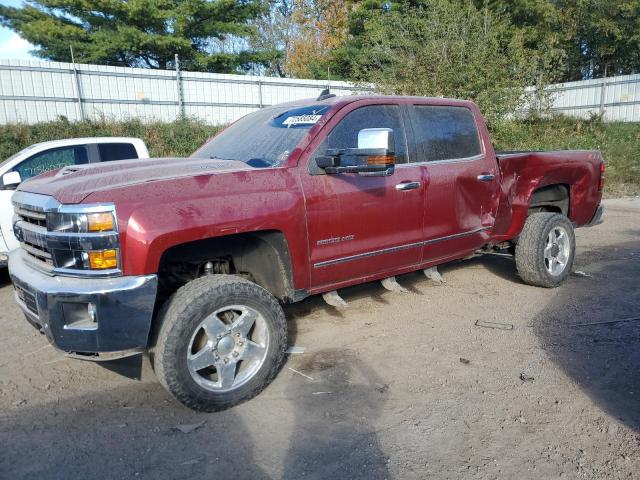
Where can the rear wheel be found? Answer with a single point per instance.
(545, 249)
(221, 341)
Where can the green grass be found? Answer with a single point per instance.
(619, 142)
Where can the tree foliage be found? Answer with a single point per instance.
(565, 39)
(207, 35)
(275, 31)
(441, 48)
(577, 39)
(605, 38)
(322, 28)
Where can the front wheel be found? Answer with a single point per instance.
(221, 341)
(545, 249)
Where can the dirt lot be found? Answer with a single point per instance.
(397, 386)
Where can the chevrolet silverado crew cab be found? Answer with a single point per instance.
(42, 157)
(189, 260)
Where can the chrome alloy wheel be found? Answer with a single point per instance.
(228, 348)
(557, 251)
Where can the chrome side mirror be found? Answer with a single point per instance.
(11, 180)
(374, 156)
(370, 138)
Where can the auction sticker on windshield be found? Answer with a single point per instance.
(300, 117)
(301, 120)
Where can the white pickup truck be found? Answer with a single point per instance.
(42, 157)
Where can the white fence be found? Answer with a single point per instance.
(617, 98)
(35, 91)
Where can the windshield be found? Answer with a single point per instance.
(264, 138)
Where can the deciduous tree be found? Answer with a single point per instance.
(443, 48)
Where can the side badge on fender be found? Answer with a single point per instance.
(331, 241)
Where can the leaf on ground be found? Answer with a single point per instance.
(188, 428)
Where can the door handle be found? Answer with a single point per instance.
(404, 186)
(486, 177)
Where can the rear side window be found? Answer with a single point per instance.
(345, 134)
(50, 160)
(446, 133)
(116, 151)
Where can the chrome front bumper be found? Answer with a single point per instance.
(123, 308)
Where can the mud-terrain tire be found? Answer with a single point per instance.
(198, 328)
(545, 249)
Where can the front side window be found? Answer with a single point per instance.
(264, 138)
(446, 133)
(345, 133)
(50, 160)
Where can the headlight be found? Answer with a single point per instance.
(100, 222)
(81, 222)
(84, 237)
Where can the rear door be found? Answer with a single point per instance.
(462, 180)
(362, 225)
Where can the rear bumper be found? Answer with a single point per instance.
(58, 307)
(597, 217)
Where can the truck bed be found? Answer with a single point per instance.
(524, 172)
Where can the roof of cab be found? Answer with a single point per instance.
(75, 141)
(346, 99)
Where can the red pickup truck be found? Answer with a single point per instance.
(190, 259)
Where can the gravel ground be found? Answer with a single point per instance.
(397, 386)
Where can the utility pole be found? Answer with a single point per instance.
(80, 107)
(181, 112)
(603, 92)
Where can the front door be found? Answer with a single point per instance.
(462, 180)
(359, 226)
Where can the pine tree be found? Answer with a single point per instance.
(208, 35)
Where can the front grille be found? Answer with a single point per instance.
(33, 245)
(28, 298)
(41, 254)
(33, 217)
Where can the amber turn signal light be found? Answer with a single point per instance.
(381, 160)
(100, 222)
(103, 260)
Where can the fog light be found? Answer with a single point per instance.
(91, 311)
(103, 260)
(79, 316)
(3, 257)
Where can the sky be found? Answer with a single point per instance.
(12, 46)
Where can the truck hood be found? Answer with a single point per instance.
(74, 183)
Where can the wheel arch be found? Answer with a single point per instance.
(262, 256)
(550, 198)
